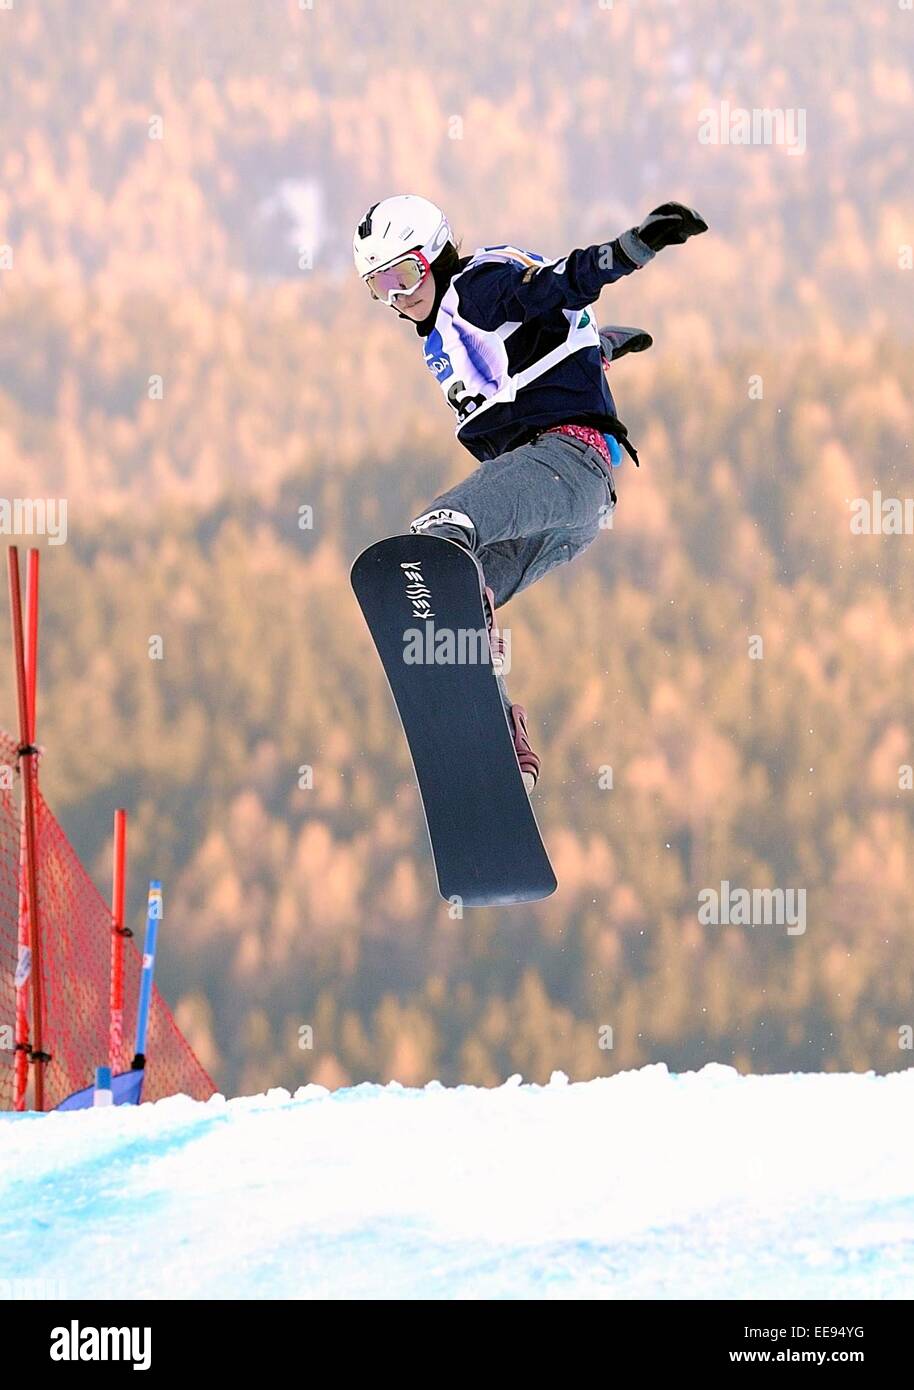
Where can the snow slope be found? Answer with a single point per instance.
(640, 1185)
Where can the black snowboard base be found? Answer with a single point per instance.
(422, 600)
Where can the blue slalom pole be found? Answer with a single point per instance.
(153, 917)
(102, 1095)
(127, 1087)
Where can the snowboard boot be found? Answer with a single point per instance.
(529, 762)
(448, 525)
(517, 715)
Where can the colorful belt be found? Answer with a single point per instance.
(587, 435)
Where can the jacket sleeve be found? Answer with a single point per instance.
(493, 294)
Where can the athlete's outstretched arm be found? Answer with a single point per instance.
(493, 294)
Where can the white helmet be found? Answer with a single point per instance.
(392, 228)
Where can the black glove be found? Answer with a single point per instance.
(670, 225)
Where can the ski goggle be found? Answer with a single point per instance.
(403, 277)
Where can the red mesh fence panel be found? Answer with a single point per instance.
(75, 931)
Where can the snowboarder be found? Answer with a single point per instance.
(512, 340)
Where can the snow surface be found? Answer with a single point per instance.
(641, 1185)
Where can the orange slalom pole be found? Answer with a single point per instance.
(118, 884)
(27, 757)
(31, 634)
(21, 1075)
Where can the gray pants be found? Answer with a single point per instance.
(526, 511)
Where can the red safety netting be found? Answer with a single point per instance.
(75, 932)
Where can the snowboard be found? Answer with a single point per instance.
(421, 597)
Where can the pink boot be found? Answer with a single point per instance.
(529, 762)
